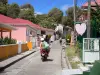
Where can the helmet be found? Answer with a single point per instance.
(42, 39)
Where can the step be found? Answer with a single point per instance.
(71, 71)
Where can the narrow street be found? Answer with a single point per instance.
(32, 65)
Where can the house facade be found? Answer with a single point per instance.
(25, 30)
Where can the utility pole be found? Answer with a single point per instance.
(75, 4)
(88, 23)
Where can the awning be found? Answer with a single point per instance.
(6, 26)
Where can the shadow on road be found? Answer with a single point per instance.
(48, 60)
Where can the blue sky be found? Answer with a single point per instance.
(44, 6)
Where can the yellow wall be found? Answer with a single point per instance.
(24, 47)
(8, 51)
(11, 50)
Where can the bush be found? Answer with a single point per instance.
(68, 38)
(78, 49)
(6, 40)
(1, 41)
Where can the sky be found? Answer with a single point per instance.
(44, 6)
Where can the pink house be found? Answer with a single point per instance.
(26, 30)
(83, 17)
(85, 5)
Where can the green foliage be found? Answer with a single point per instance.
(56, 14)
(3, 9)
(95, 20)
(72, 52)
(1, 41)
(6, 40)
(4, 1)
(13, 10)
(42, 17)
(27, 14)
(47, 24)
(64, 20)
(45, 21)
(68, 38)
(27, 6)
(70, 17)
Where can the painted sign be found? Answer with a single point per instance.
(80, 28)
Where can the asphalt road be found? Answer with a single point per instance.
(32, 65)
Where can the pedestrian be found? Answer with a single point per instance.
(52, 38)
(47, 39)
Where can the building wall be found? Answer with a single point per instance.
(31, 32)
(6, 34)
(19, 34)
(49, 32)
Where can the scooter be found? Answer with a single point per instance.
(44, 55)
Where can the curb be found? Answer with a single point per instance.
(66, 59)
(67, 62)
(13, 62)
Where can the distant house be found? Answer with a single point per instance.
(25, 28)
(85, 5)
(83, 17)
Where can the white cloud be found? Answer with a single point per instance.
(38, 13)
(65, 7)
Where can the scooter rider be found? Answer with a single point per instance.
(44, 46)
(41, 45)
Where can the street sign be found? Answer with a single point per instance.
(77, 22)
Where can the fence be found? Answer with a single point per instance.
(91, 50)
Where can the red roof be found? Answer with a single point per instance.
(18, 21)
(5, 19)
(92, 3)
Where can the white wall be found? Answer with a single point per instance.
(49, 32)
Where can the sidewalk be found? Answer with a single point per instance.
(10, 61)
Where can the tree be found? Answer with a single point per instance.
(42, 17)
(4, 1)
(27, 14)
(70, 16)
(64, 20)
(57, 14)
(95, 22)
(27, 6)
(47, 24)
(13, 10)
(45, 21)
(3, 9)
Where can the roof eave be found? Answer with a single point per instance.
(7, 26)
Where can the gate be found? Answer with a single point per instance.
(91, 50)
